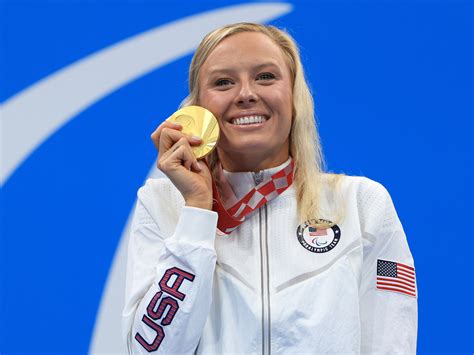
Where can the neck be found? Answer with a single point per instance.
(243, 162)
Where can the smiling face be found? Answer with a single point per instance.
(246, 83)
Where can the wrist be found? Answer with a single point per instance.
(204, 203)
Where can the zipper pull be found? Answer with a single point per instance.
(258, 177)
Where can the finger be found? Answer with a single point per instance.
(155, 136)
(197, 166)
(168, 138)
(183, 153)
(194, 140)
(192, 162)
(182, 142)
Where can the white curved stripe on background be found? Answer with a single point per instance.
(107, 337)
(31, 116)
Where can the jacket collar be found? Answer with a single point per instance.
(243, 182)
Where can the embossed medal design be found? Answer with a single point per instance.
(197, 121)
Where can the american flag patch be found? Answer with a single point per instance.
(396, 277)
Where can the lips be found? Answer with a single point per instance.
(247, 120)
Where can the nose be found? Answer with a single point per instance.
(247, 94)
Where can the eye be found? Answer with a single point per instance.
(223, 82)
(266, 76)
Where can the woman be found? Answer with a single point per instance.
(319, 265)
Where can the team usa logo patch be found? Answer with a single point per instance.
(318, 240)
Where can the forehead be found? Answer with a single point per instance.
(244, 49)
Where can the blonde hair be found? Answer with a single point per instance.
(305, 146)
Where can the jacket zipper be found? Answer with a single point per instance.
(266, 331)
(265, 288)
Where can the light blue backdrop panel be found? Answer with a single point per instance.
(393, 91)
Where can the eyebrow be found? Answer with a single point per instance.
(218, 69)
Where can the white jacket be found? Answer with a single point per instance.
(266, 288)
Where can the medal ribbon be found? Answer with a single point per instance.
(267, 190)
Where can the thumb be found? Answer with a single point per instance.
(202, 169)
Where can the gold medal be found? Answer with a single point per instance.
(197, 121)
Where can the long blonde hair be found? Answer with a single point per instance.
(305, 146)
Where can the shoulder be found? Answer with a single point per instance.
(375, 208)
(361, 198)
(360, 188)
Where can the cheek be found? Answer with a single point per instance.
(211, 102)
(287, 111)
(201, 99)
(289, 101)
(282, 96)
(285, 103)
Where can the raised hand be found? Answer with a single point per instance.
(177, 161)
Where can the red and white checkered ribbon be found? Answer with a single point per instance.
(267, 190)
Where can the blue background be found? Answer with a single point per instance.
(392, 82)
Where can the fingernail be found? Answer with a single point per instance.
(197, 166)
(196, 138)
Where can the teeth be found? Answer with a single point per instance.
(248, 120)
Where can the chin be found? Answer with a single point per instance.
(250, 147)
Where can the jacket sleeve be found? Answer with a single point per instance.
(169, 275)
(388, 293)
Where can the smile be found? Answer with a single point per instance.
(248, 120)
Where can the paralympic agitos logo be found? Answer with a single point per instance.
(318, 240)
